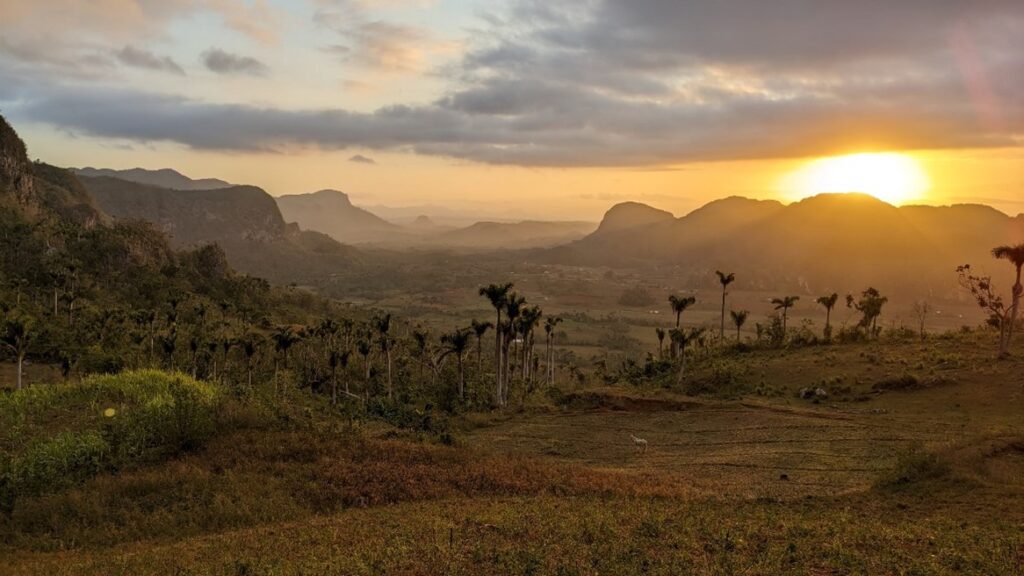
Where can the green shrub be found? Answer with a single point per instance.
(54, 436)
(913, 466)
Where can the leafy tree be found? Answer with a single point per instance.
(17, 335)
(784, 304)
(739, 318)
(724, 280)
(829, 302)
(681, 338)
(870, 307)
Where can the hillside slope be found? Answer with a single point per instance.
(243, 220)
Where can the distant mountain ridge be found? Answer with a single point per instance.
(825, 242)
(331, 212)
(164, 178)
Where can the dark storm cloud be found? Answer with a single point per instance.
(141, 58)
(221, 62)
(641, 83)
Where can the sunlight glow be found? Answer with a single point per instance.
(891, 177)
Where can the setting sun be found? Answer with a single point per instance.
(891, 177)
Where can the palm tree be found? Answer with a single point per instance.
(549, 332)
(514, 304)
(681, 338)
(284, 338)
(250, 346)
(479, 329)
(419, 338)
(679, 305)
(739, 318)
(383, 325)
(1015, 255)
(334, 360)
(364, 348)
(784, 304)
(456, 343)
(724, 280)
(18, 330)
(660, 332)
(497, 294)
(529, 319)
(829, 302)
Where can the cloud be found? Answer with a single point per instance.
(360, 159)
(374, 43)
(141, 58)
(630, 83)
(221, 62)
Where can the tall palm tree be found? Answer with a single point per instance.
(284, 338)
(724, 279)
(364, 348)
(335, 360)
(514, 304)
(549, 333)
(479, 329)
(383, 325)
(660, 333)
(679, 305)
(1015, 255)
(456, 343)
(250, 346)
(739, 318)
(18, 330)
(529, 319)
(419, 338)
(784, 304)
(497, 294)
(829, 302)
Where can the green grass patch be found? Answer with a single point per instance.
(56, 436)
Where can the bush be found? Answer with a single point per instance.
(55, 436)
(913, 466)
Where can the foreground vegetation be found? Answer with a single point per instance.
(918, 479)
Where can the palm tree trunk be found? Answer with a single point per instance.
(334, 385)
(390, 387)
(19, 376)
(497, 358)
(682, 364)
(721, 329)
(462, 380)
(1017, 289)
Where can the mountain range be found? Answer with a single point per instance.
(164, 178)
(825, 242)
(840, 242)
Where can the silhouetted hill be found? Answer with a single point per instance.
(332, 213)
(631, 215)
(826, 242)
(164, 178)
(244, 220)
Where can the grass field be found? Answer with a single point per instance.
(887, 475)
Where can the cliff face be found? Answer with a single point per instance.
(226, 216)
(15, 168)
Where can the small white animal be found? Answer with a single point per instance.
(640, 443)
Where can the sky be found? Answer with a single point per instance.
(523, 108)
